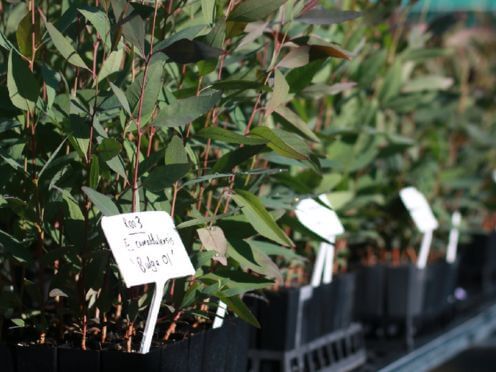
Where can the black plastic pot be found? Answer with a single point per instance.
(118, 361)
(237, 346)
(278, 320)
(370, 293)
(36, 359)
(174, 357)
(405, 291)
(195, 352)
(478, 265)
(76, 360)
(343, 301)
(6, 358)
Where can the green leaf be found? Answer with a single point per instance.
(235, 304)
(275, 250)
(284, 143)
(51, 158)
(259, 218)
(111, 65)
(184, 111)
(94, 172)
(25, 32)
(429, 82)
(229, 160)
(21, 83)
(321, 16)
(254, 10)
(64, 47)
(102, 202)
(108, 149)
(100, 22)
(132, 23)
(186, 51)
(14, 248)
(176, 167)
(279, 95)
(392, 83)
(293, 119)
(121, 97)
(229, 136)
(153, 85)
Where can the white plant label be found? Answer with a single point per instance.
(147, 249)
(422, 215)
(325, 223)
(456, 219)
(419, 209)
(319, 219)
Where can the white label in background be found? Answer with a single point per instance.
(419, 209)
(146, 247)
(319, 219)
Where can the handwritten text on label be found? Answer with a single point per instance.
(147, 247)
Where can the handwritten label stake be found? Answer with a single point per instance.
(451, 251)
(325, 223)
(147, 249)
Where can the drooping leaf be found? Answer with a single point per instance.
(279, 95)
(108, 149)
(101, 201)
(176, 166)
(254, 10)
(229, 160)
(259, 218)
(426, 83)
(100, 21)
(183, 111)
(320, 16)
(23, 87)
(293, 119)
(132, 22)
(151, 89)
(297, 57)
(121, 96)
(213, 239)
(111, 65)
(236, 305)
(190, 51)
(65, 47)
(24, 35)
(284, 143)
(229, 136)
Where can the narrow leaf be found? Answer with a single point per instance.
(254, 10)
(64, 47)
(102, 202)
(259, 218)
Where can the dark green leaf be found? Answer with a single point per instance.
(190, 51)
(254, 10)
(108, 149)
(102, 202)
(320, 16)
(21, 83)
(229, 136)
(183, 111)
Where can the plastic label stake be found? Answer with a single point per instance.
(324, 222)
(147, 249)
(424, 219)
(219, 315)
(451, 251)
